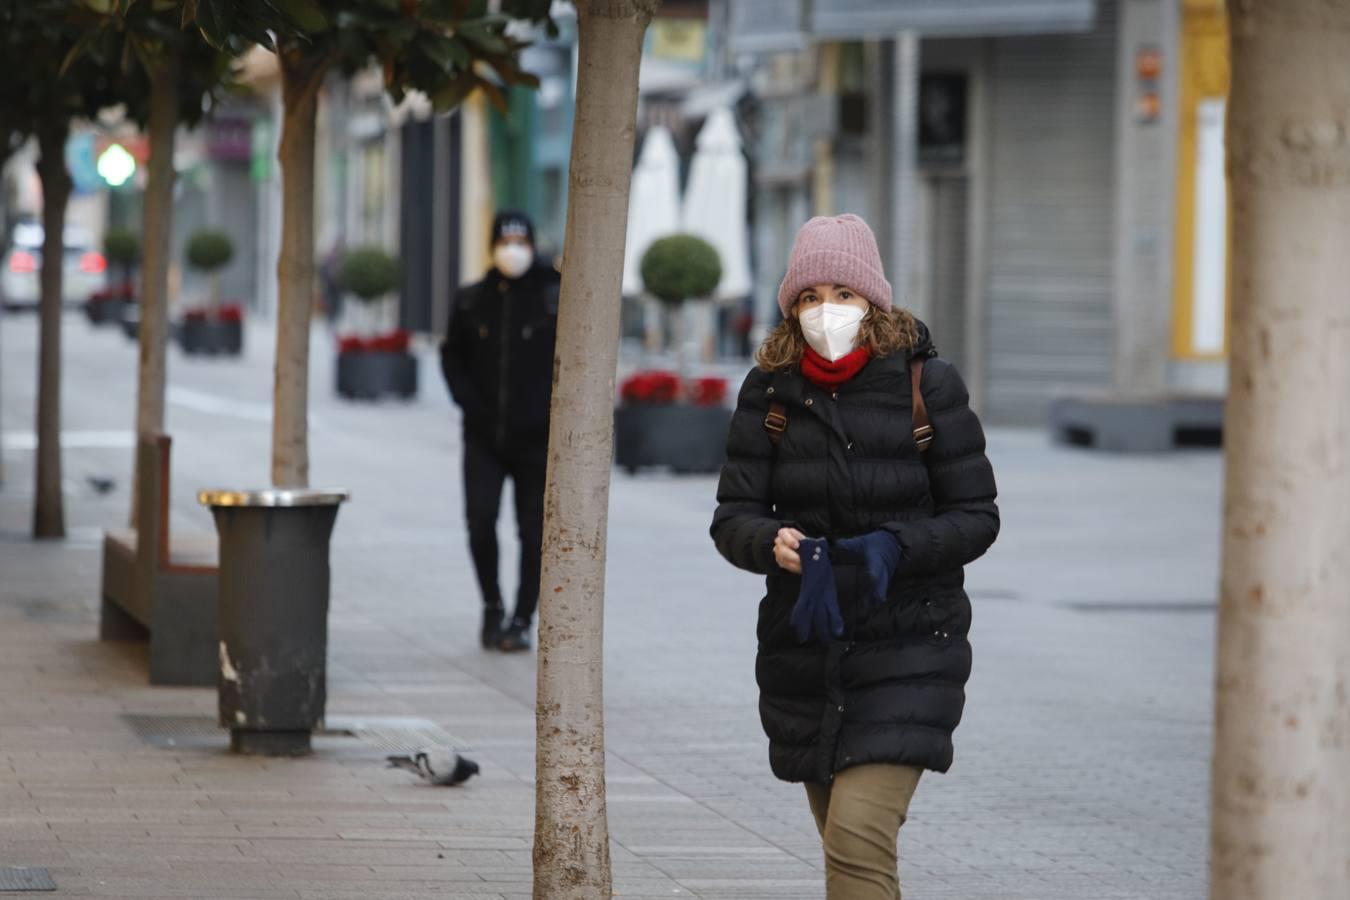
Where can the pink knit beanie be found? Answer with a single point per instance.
(835, 250)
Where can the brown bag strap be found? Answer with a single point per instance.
(923, 428)
(776, 422)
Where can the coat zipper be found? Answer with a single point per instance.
(505, 371)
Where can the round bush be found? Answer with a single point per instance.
(368, 272)
(121, 246)
(679, 267)
(210, 250)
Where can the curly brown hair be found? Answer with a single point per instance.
(881, 333)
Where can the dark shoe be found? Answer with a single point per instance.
(492, 626)
(515, 639)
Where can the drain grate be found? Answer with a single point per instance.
(23, 880)
(385, 733)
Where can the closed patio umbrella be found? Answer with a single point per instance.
(715, 201)
(653, 203)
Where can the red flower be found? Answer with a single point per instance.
(708, 392)
(393, 342)
(657, 388)
(231, 312)
(351, 344)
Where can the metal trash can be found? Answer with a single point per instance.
(273, 614)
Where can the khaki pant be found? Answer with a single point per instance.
(859, 817)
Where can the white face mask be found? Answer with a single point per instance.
(832, 329)
(512, 260)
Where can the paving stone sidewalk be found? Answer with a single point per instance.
(1081, 764)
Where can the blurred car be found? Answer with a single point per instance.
(85, 270)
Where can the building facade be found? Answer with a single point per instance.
(1026, 168)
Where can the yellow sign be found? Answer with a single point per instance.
(682, 40)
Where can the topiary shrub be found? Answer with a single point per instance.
(122, 247)
(368, 272)
(209, 251)
(680, 267)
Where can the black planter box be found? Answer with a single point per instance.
(372, 374)
(211, 337)
(683, 438)
(105, 312)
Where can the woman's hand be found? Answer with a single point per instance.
(785, 550)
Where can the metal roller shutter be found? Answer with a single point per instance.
(948, 224)
(1051, 218)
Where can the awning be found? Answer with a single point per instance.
(770, 25)
(759, 26)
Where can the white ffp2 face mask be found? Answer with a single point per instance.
(512, 260)
(832, 329)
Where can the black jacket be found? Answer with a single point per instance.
(893, 688)
(498, 356)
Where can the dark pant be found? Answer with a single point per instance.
(485, 472)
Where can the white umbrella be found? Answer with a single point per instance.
(653, 203)
(714, 201)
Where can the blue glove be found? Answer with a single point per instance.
(879, 554)
(817, 608)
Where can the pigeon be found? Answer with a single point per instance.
(101, 485)
(436, 765)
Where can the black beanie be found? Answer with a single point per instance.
(512, 222)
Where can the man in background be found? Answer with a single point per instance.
(498, 362)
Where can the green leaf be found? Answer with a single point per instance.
(460, 55)
(484, 34)
(527, 79)
(143, 54)
(453, 94)
(494, 95)
(306, 14)
(445, 52)
(78, 50)
(215, 18)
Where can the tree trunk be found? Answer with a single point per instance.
(1281, 776)
(6, 135)
(49, 517)
(571, 838)
(295, 274)
(153, 330)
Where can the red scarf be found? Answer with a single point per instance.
(831, 376)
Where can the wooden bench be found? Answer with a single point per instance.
(160, 588)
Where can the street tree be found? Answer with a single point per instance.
(445, 49)
(41, 102)
(571, 836)
(1281, 778)
(173, 78)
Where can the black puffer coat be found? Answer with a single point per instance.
(498, 356)
(893, 688)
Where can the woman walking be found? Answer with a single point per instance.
(856, 480)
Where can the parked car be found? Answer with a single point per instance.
(85, 269)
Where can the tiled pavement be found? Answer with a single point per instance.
(1081, 764)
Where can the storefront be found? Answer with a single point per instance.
(1021, 199)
